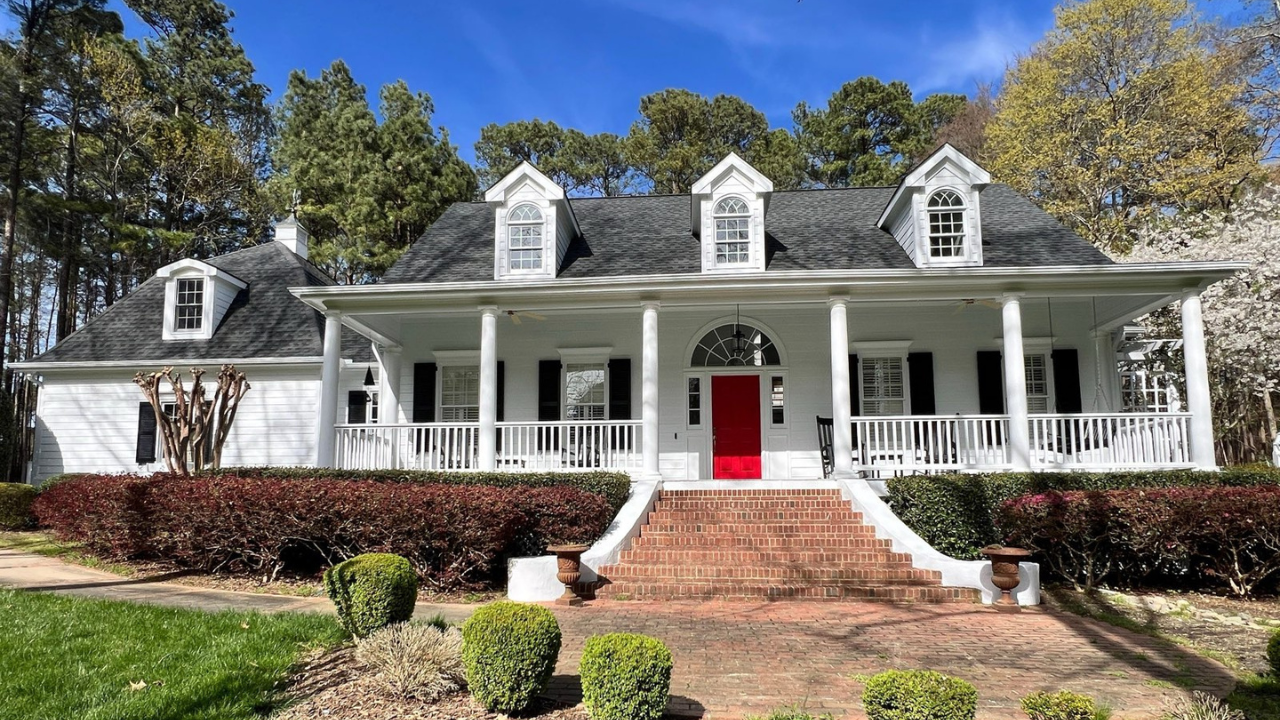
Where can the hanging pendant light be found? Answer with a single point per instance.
(368, 384)
(738, 350)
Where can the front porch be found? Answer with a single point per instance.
(882, 446)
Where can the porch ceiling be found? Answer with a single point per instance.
(1123, 292)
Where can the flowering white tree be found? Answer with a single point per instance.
(1241, 315)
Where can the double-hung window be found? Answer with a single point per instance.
(883, 386)
(524, 237)
(188, 310)
(460, 393)
(946, 225)
(584, 389)
(733, 232)
(1037, 372)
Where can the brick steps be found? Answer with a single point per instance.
(770, 545)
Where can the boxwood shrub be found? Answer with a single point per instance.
(372, 591)
(625, 677)
(1273, 654)
(15, 506)
(613, 486)
(509, 651)
(454, 536)
(1062, 705)
(957, 513)
(918, 695)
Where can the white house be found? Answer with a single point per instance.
(735, 332)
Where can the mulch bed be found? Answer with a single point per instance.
(331, 686)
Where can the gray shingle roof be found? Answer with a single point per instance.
(264, 321)
(806, 230)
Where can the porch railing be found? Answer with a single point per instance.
(595, 445)
(898, 444)
(1111, 441)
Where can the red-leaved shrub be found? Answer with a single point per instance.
(455, 536)
(1178, 536)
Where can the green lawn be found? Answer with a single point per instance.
(66, 657)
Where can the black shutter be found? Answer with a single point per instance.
(619, 388)
(548, 391)
(502, 390)
(146, 452)
(855, 397)
(1066, 381)
(424, 392)
(357, 407)
(920, 367)
(990, 383)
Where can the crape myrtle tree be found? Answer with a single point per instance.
(193, 432)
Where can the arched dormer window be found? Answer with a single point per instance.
(946, 225)
(733, 231)
(524, 237)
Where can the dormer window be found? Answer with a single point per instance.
(946, 224)
(188, 311)
(733, 232)
(524, 233)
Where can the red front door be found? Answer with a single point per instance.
(735, 426)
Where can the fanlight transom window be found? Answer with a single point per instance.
(524, 237)
(733, 231)
(946, 224)
(735, 345)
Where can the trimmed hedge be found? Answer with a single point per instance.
(509, 651)
(15, 506)
(454, 536)
(1187, 537)
(1062, 705)
(625, 677)
(613, 486)
(918, 695)
(957, 513)
(372, 591)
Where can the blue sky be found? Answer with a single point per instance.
(586, 63)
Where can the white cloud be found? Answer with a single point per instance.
(974, 55)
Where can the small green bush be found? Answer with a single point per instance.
(1273, 653)
(1063, 705)
(918, 695)
(15, 506)
(625, 677)
(791, 713)
(372, 591)
(509, 651)
(956, 513)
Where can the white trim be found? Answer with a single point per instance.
(703, 185)
(919, 175)
(812, 484)
(202, 268)
(457, 357)
(881, 348)
(729, 320)
(110, 364)
(585, 355)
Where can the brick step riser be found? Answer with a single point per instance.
(711, 542)
(704, 591)
(755, 516)
(789, 529)
(781, 555)
(733, 494)
(633, 573)
(761, 504)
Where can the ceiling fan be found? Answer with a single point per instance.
(970, 302)
(515, 316)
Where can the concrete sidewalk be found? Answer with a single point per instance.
(28, 571)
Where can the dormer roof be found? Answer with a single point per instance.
(731, 167)
(943, 157)
(203, 268)
(526, 174)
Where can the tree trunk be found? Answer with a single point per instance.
(68, 266)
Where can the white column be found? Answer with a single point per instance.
(389, 369)
(841, 409)
(649, 393)
(325, 433)
(1015, 385)
(488, 447)
(1197, 368)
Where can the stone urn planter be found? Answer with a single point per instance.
(1004, 569)
(569, 571)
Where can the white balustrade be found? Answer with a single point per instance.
(587, 445)
(944, 443)
(1111, 441)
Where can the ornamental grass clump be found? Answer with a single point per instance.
(1202, 706)
(918, 695)
(412, 660)
(509, 651)
(1062, 705)
(625, 677)
(372, 591)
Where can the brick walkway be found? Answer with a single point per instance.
(738, 658)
